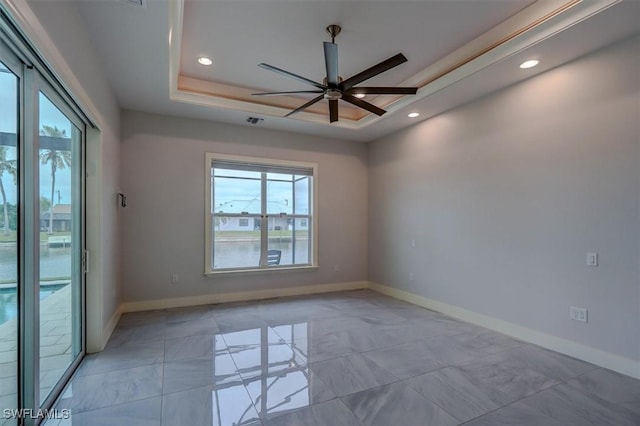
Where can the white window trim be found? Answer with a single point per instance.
(208, 243)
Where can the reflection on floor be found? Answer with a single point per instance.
(353, 358)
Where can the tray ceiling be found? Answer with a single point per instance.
(456, 50)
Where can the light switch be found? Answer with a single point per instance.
(592, 259)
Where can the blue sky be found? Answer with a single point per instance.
(239, 195)
(49, 115)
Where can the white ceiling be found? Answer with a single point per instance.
(372, 32)
(457, 50)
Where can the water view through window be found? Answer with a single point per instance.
(261, 215)
(55, 262)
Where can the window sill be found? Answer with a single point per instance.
(261, 271)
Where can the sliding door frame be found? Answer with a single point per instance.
(78, 272)
(35, 78)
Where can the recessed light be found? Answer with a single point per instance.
(203, 60)
(529, 64)
(359, 95)
(413, 114)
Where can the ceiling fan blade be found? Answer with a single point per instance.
(383, 66)
(331, 63)
(333, 110)
(307, 105)
(382, 90)
(363, 104)
(287, 93)
(292, 75)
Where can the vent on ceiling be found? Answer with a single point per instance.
(254, 121)
(138, 3)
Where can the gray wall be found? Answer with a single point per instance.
(163, 224)
(506, 195)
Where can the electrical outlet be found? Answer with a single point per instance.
(413, 243)
(175, 278)
(578, 314)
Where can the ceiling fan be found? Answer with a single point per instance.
(334, 87)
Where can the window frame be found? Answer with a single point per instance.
(210, 158)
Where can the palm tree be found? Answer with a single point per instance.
(58, 160)
(8, 166)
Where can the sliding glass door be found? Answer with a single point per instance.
(9, 249)
(41, 240)
(60, 246)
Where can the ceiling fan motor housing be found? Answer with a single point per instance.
(333, 94)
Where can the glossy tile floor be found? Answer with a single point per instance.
(352, 358)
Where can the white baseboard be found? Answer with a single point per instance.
(102, 334)
(595, 356)
(106, 331)
(111, 325)
(241, 296)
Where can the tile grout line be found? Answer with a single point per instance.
(560, 382)
(164, 358)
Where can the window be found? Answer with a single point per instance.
(275, 197)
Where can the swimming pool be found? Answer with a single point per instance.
(9, 300)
